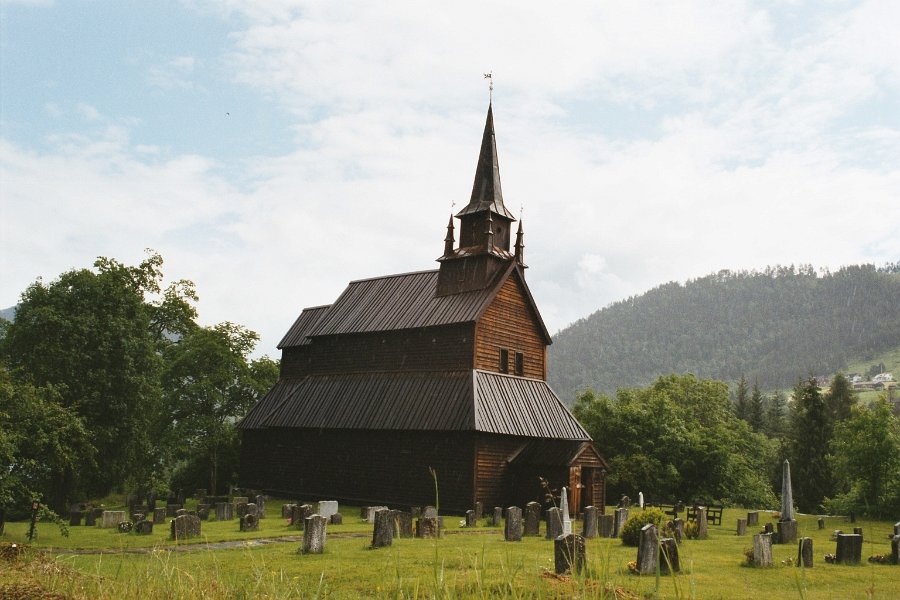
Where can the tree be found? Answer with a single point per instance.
(741, 404)
(865, 456)
(840, 398)
(810, 436)
(208, 385)
(757, 409)
(95, 337)
(776, 414)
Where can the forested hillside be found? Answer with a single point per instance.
(771, 326)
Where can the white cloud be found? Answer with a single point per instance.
(175, 74)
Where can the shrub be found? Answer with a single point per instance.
(631, 531)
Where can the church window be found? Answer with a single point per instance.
(520, 364)
(504, 360)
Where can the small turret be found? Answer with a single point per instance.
(520, 245)
(448, 241)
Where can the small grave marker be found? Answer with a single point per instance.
(512, 531)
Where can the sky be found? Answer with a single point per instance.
(274, 150)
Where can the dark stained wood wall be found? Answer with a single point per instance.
(510, 323)
(444, 348)
(493, 483)
(360, 466)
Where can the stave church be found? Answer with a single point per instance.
(430, 377)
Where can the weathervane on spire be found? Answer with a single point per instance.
(490, 75)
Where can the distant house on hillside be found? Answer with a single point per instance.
(441, 369)
(882, 378)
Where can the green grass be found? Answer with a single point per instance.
(461, 564)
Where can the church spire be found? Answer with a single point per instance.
(520, 245)
(448, 241)
(486, 191)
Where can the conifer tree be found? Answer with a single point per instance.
(756, 409)
(811, 431)
(776, 413)
(741, 404)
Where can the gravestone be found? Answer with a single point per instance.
(111, 518)
(512, 531)
(805, 553)
(383, 531)
(566, 519)
(240, 500)
(429, 512)
(762, 550)
(364, 512)
(589, 524)
(568, 554)
(172, 509)
(139, 509)
(327, 508)
(337, 519)
(249, 522)
(203, 513)
(895, 550)
(648, 550)
(769, 528)
(372, 510)
(404, 523)
(858, 531)
(532, 519)
(554, 523)
(621, 515)
(787, 532)
(821, 523)
(742, 526)
(849, 549)
(753, 518)
(159, 516)
(260, 502)
(702, 524)
(90, 520)
(427, 527)
(224, 511)
(143, 527)
(607, 526)
(151, 501)
(301, 513)
(471, 518)
(314, 535)
(287, 510)
(678, 530)
(75, 518)
(240, 509)
(897, 528)
(668, 556)
(497, 516)
(251, 509)
(479, 510)
(180, 512)
(138, 516)
(184, 527)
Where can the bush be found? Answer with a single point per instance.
(631, 531)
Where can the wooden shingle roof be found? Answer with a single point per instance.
(297, 334)
(431, 401)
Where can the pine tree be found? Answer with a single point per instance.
(840, 398)
(811, 431)
(756, 409)
(741, 405)
(775, 415)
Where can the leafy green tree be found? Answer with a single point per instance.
(865, 456)
(811, 430)
(95, 337)
(840, 398)
(757, 409)
(209, 384)
(741, 401)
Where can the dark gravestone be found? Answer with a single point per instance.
(858, 531)
(301, 513)
(364, 513)
(260, 506)
(139, 509)
(471, 519)
(172, 509)
(75, 518)
(90, 519)
(383, 530)
(742, 526)
(607, 525)
(787, 532)
(185, 527)
(805, 553)
(897, 528)
(532, 519)
(240, 509)
(512, 531)
(568, 554)
(416, 511)
(554, 523)
(753, 518)
(404, 523)
(702, 525)
(762, 550)
(621, 515)
(314, 535)
(668, 556)
(821, 523)
(159, 516)
(895, 550)
(249, 522)
(497, 516)
(769, 528)
(849, 549)
(203, 513)
(678, 530)
(648, 550)
(287, 510)
(337, 519)
(144, 527)
(589, 525)
(479, 510)
(180, 512)
(427, 527)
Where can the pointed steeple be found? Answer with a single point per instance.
(520, 245)
(486, 191)
(448, 241)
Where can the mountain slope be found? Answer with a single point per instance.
(772, 326)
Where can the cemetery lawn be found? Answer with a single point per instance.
(462, 564)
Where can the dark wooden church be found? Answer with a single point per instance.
(442, 369)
